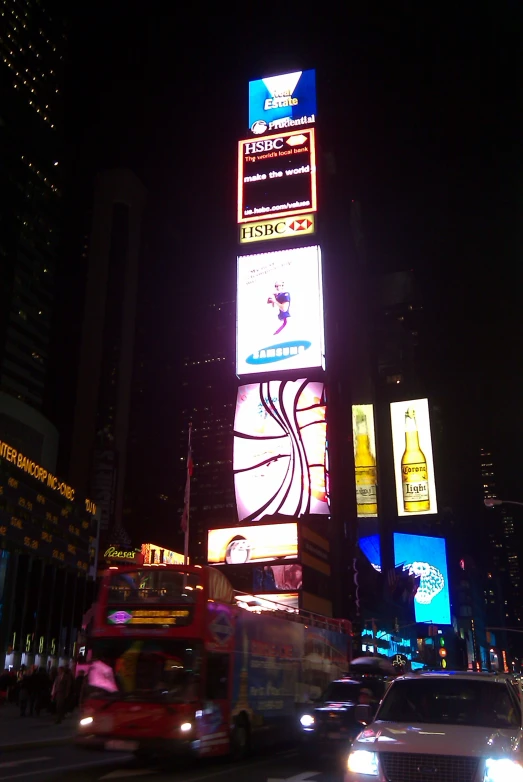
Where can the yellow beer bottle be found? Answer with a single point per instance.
(365, 469)
(414, 474)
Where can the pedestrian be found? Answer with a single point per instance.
(38, 691)
(61, 692)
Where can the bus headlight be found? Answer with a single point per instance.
(86, 721)
(502, 770)
(361, 761)
(185, 727)
(307, 720)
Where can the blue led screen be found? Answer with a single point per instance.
(285, 102)
(370, 546)
(425, 559)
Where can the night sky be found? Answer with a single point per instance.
(419, 120)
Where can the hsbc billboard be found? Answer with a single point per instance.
(285, 227)
(277, 176)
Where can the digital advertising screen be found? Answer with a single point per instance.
(425, 559)
(365, 471)
(277, 176)
(279, 450)
(278, 228)
(413, 460)
(281, 102)
(277, 578)
(279, 311)
(258, 543)
(370, 547)
(156, 555)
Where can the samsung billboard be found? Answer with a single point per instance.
(279, 316)
(284, 101)
(279, 452)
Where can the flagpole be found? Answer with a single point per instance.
(188, 504)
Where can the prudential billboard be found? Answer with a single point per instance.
(279, 322)
(281, 102)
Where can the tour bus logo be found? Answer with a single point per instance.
(120, 618)
(273, 353)
(221, 628)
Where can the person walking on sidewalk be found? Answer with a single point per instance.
(61, 691)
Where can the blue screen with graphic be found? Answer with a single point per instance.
(282, 102)
(370, 546)
(425, 559)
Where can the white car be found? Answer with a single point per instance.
(441, 727)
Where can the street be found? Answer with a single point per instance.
(72, 763)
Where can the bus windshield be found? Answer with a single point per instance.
(151, 669)
(152, 585)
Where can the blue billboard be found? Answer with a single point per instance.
(282, 102)
(425, 559)
(370, 546)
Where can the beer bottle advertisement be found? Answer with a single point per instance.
(413, 459)
(365, 460)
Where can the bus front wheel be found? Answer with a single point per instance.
(240, 739)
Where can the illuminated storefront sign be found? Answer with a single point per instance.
(277, 176)
(156, 555)
(279, 318)
(364, 439)
(284, 101)
(127, 556)
(277, 229)
(424, 559)
(413, 460)
(260, 543)
(279, 452)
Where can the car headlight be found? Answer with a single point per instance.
(307, 720)
(185, 726)
(86, 721)
(361, 761)
(502, 770)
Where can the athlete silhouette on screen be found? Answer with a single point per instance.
(282, 300)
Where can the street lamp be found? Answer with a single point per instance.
(492, 502)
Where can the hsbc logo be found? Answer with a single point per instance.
(266, 145)
(277, 229)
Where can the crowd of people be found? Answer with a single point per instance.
(36, 690)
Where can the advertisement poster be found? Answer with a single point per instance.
(425, 559)
(277, 578)
(279, 320)
(284, 101)
(259, 543)
(279, 451)
(364, 439)
(277, 176)
(413, 460)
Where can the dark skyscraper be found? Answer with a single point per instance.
(32, 44)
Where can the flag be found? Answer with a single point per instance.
(187, 495)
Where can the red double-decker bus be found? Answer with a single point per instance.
(179, 664)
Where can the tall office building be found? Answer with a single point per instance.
(32, 46)
(208, 394)
(101, 423)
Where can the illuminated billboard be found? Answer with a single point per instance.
(277, 176)
(364, 439)
(156, 555)
(280, 102)
(413, 461)
(259, 543)
(279, 311)
(425, 559)
(279, 228)
(370, 546)
(279, 452)
(277, 578)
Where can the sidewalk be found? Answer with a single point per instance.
(25, 732)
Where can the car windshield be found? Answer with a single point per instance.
(342, 692)
(144, 670)
(450, 702)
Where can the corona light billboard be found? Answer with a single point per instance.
(425, 561)
(364, 439)
(413, 461)
(257, 543)
(277, 176)
(284, 101)
(279, 317)
(279, 453)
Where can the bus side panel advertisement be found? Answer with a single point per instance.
(279, 318)
(284, 101)
(259, 543)
(425, 560)
(413, 460)
(279, 452)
